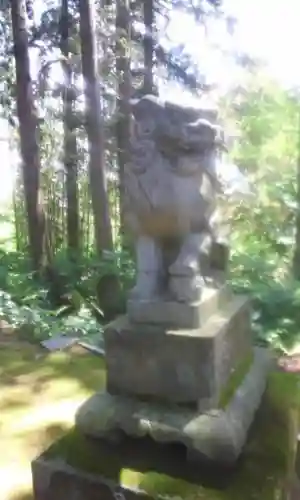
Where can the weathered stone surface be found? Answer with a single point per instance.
(219, 435)
(181, 366)
(171, 313)
(171, 198)
(56, 480)
(77, 467)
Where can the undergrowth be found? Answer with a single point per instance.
(266, 278)
(73, 305)
(39, 308)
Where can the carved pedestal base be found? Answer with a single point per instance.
(218, 435)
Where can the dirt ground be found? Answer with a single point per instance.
(39, 394)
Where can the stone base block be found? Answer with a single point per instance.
(178, 314)
(181, 366)
(219, 435)
(77, 467)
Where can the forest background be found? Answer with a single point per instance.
(67, 73)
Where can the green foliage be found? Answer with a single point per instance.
(26, 303)
(267, 119)
(264, 227)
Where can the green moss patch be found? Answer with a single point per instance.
(260, 474)
(235, 380)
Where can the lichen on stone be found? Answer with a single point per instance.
(261, 472)
(236, 378)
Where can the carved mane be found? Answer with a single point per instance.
(170, 181)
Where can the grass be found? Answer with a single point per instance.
(38, 398)
(40, 393)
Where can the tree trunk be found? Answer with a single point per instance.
(70, 143)
(124, 93)
(28, 133)
(94, 128)
(148, 46)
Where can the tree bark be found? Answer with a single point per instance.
(94, 128)
(70, 143)
(148, 46)
(123, 102)
(31, 165)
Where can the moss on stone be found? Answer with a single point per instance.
(261, 473)
(235, 380)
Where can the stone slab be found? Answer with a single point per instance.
(181, 366)
(219, 435)
(178, 314)
(56, 478)
(59, 342)
(77, 467)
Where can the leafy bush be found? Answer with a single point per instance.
(25, 302)
(275, 298)
(37, 323)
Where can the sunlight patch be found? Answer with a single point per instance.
(62, 411)
(15, 481)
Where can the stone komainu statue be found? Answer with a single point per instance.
(171, 191)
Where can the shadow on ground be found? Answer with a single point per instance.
(28, 366)
(39, 395)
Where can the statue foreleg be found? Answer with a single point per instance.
(186, 273)
(149, 268)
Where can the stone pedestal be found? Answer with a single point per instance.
(182, 366)
(77, 467)
(199, 385)
(218, 434)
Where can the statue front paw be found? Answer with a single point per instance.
(146, 287)
(186, 265)
(186, 288)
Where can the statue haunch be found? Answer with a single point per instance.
(170, 201)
